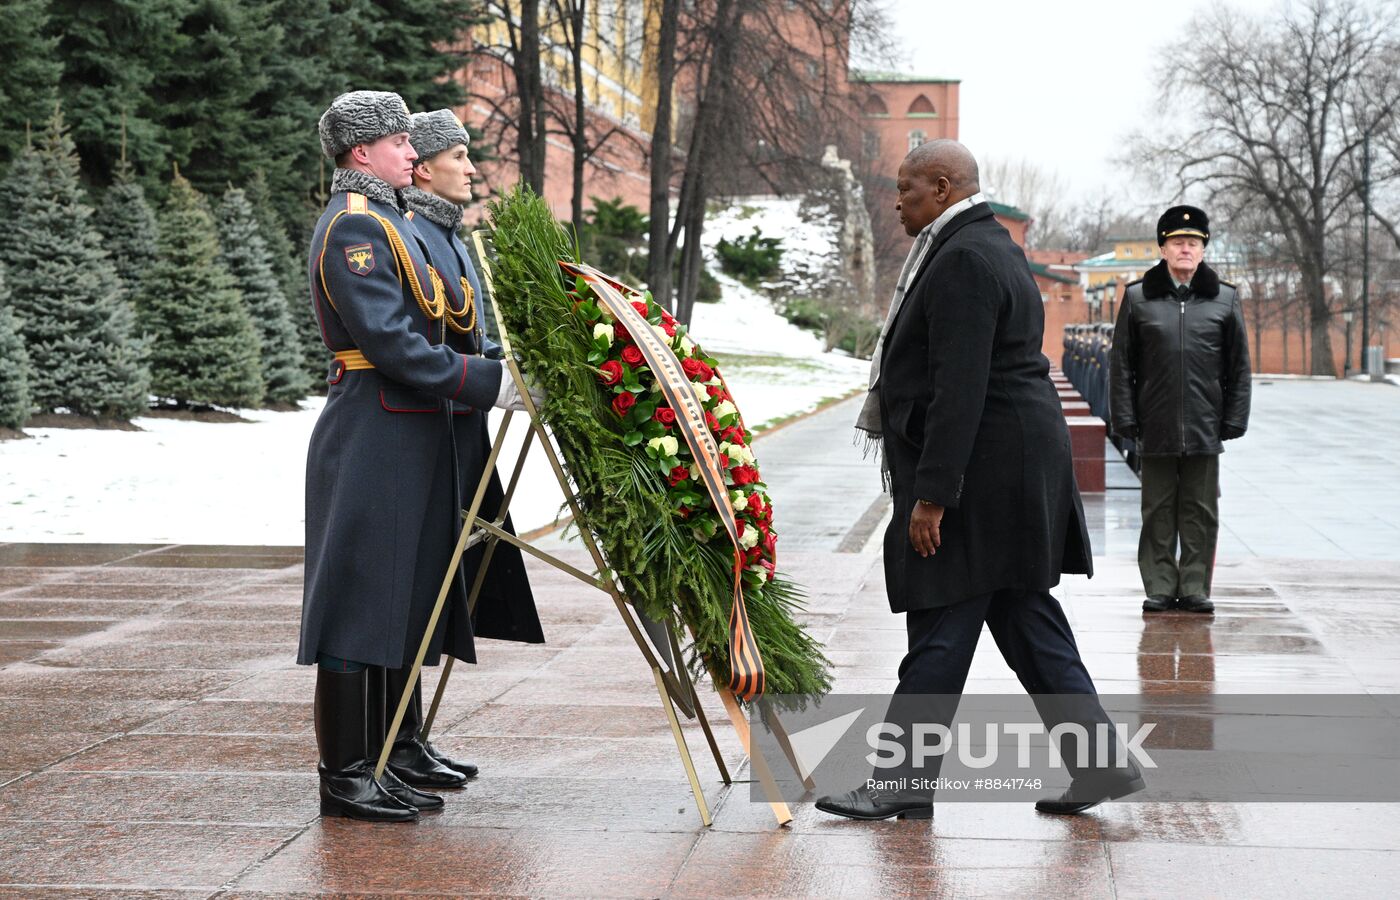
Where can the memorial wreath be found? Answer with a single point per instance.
(658, 453)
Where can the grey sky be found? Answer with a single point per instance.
(1062, 84)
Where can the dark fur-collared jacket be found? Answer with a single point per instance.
(1180, 380)
(397, 451)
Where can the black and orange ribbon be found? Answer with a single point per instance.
(746, 676)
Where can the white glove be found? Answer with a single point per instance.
(509, 397)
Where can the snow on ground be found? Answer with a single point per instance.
(242, 483)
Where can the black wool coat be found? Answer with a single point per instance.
(384, 475)
(1180, 365)
(972, 422)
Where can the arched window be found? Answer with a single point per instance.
(916, 137)
(874, 106)
(922, 106)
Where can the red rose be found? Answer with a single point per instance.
(667, 318)
(665, 415)
(610, 372)
(640, 307)
(632, 355)
(622, 404)
(669, 328)
(621, 333)
(693, 369)
(683, 512)
(753, 556)
(679, 474)
(756, 504)
(739, 527)
(768, 564)
(769, 544)
(711, 420)
(745, 475)
(733, 435)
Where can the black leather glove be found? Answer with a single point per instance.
(1230, 432)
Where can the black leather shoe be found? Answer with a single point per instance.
(1196, 603)
(419, 800)
(1157, 603)
(1080, 796)
(348, 787)
(410, 759)
(864, 803)
(468, 770)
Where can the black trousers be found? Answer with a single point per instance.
(1036, 641)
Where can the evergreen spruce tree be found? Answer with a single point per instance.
(29, 72)
(64, 290)
(21, 184)
(112, 55)
(129, 226)
(289, 263)
(204, 350)
(248, 260)
(14, 367)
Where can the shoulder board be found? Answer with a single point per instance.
(1228, 284)
(356, 204)
(409, 215)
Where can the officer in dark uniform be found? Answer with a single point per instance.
(382, 475)
(1180, 387)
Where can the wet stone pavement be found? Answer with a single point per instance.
(155, 738)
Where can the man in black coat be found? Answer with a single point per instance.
(986, 511)
(1180, 387)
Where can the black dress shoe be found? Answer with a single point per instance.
(1157, 603)
(864, 803)
(348, 787)
(420, 800)
(1081, 795)
(1196, 603)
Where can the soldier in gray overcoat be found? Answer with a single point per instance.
(383, 481)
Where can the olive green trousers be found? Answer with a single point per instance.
(1179, 507)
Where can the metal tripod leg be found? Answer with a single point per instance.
(483, 568)
(451, 573)
(760, 766)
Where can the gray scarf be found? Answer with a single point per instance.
(433, 208)
(869, 419)
(355, 181)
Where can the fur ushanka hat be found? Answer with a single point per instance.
(360, 117)
(433, 132)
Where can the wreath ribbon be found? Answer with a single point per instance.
(746, 675)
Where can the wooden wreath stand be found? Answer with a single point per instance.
(657, 642)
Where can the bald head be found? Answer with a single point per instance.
(948, 159)
(933, 177)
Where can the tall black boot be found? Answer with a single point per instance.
(411, 760)
(380, 702)
(348, 787)
(468, 770)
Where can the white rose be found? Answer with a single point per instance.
(749, 539)
(687, 346)
(726, 449)
(669, 445)
(695, 471)
(661, 333)
(745, 454)
(725, 409)
(656, 443)
(603, 331)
